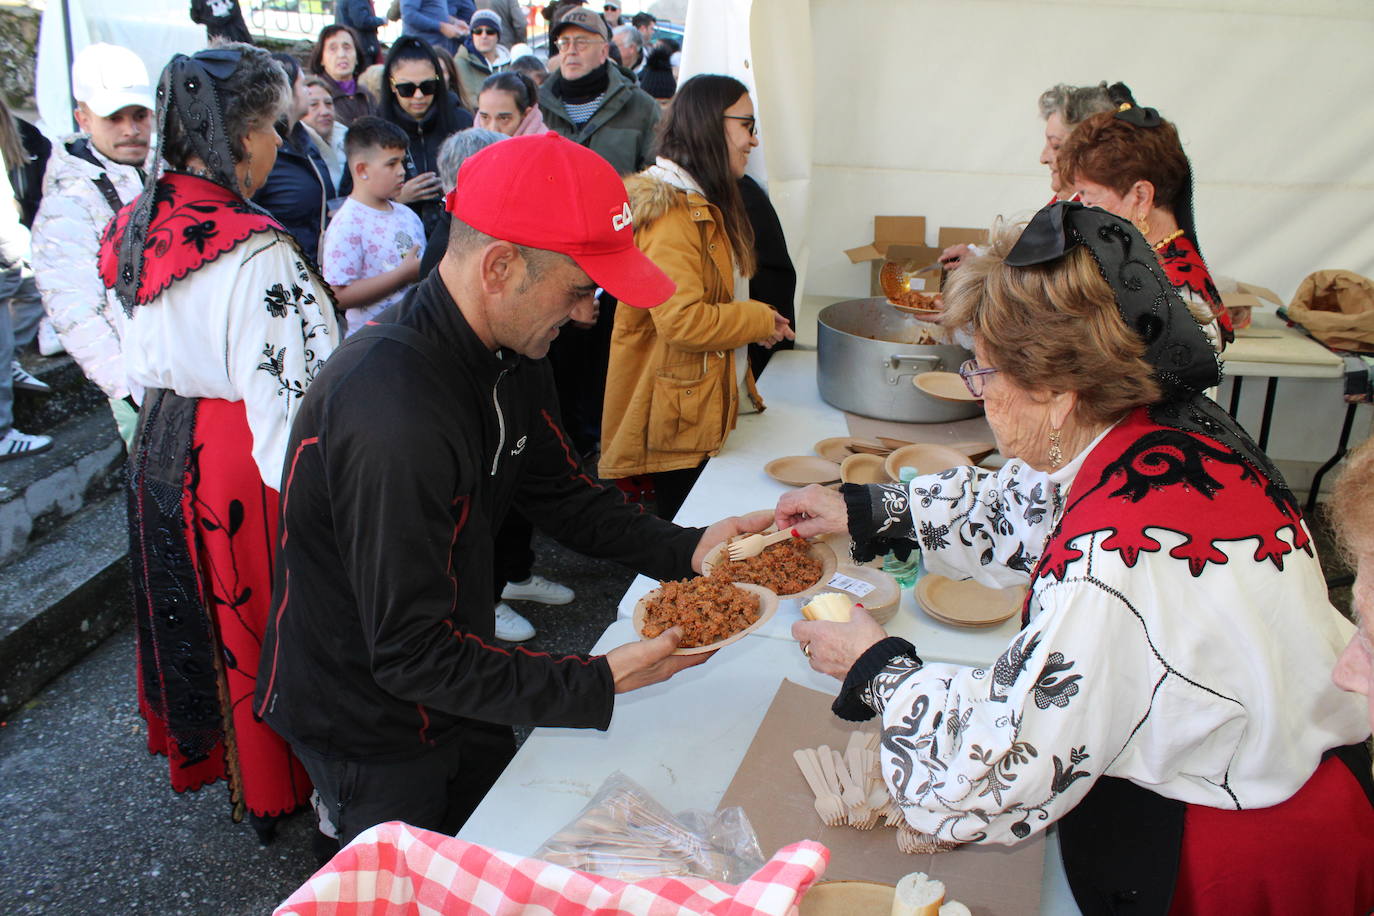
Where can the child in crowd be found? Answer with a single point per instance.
(372, 246)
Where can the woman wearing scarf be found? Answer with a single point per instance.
(673, 384)
(414, 98)
(1130, 162)
(337, 60)
(1166, 702)
(509, 104)
(228, 324)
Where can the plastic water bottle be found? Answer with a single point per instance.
(907, 571)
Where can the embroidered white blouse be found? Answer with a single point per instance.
(254, 325)
(1213, 690)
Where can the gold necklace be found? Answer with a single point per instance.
(1157, 246)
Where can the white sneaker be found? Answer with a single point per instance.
(510, 626)
(49, 344)
(17, 444)
(21, 378)
(538, 589)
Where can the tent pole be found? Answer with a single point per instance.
(71, 57)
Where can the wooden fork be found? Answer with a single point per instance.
(829, 808)
(754, 544)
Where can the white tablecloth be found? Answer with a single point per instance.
(684, 739)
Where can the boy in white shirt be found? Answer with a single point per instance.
(372, 246)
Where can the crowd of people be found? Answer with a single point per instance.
(320, 306)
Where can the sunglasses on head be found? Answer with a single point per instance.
(483, 30)
(425, 87)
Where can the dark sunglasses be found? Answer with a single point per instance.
(427, 87)
(483, 30)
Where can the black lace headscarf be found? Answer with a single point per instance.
(1184, 360)
(191, 101)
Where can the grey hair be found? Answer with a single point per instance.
(464, 240)
(1075, 103)
(256, 93)
(458, 147)
(630, 32)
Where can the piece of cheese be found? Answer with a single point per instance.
(828, 606)
(918, 895)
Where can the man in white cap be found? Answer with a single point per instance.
(410, 447)
(90, 176)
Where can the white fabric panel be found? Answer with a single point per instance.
(152, 29)
(927, 107)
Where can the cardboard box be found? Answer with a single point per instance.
(987, 878)
(903, 238)
(1244, 298)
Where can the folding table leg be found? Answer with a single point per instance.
(1331, 463)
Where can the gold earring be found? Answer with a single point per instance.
(1056, 452)
(1143, 226)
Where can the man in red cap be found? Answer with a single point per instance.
(409, 448)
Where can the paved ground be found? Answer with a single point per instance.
(92, 825)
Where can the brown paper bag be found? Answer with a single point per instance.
(1337, 308)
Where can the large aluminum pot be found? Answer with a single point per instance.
(865, 363)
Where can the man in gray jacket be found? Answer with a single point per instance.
(90, 176)
(592, 102)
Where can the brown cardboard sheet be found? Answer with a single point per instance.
(989, 879)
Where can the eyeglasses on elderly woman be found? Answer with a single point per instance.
(973, 376)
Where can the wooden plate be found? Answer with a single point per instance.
(932, 314)
(835, 449)
(965, 603)
(768, 606)
(801, 470)
(926, 459)
(894, 443)
(819, 550)
(862, 468)
(947, 386)
(848, 898)
(868, 447)
(882, 602)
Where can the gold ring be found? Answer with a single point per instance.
(806, 649)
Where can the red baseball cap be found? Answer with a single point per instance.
(545, 191)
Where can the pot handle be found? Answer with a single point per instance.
(900, 365)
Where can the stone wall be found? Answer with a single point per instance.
(18, 52)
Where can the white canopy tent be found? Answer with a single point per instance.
(929, 107)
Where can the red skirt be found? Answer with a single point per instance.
(201, 625)
(1312, 854)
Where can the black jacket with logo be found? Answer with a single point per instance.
(408, 450)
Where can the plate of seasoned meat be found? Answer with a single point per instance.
(794, 568)
(711, 611)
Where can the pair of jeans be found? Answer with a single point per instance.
(21, 307)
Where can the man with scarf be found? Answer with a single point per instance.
(594, 103)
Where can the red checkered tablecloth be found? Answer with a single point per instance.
(395, 869)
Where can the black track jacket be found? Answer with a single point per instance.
(409, 448)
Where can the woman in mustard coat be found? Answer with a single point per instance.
(672, 388)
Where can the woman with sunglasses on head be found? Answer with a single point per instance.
(415, 99)
(228, 325)
(480, 56)
(337, 59)
(1166, 702)
(676, 371)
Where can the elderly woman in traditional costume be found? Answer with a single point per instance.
(1130, 162)
(227, 325)
(1167, 700)
(1352, 505)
